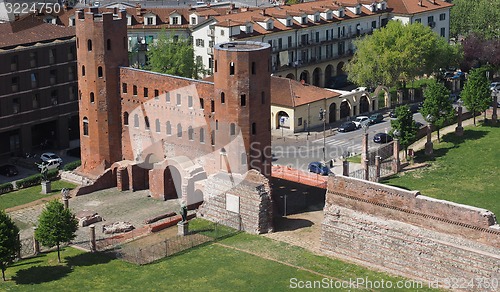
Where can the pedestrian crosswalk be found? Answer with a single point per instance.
(342, 146)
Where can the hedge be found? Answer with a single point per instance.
(6, 187)
(36, 179)
(72, 165)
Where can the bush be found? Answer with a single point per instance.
(72, 165)
(6, 187)
(36, 179)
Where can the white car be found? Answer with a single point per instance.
(360, 120)
(50, 164)
(47, 156)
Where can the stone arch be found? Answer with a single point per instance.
(286, 121)
(345, 109)
(172, 183)
(304, 75)
(290, 76)
(386, 99)
(328, 74)
(333, 113)
(340, 68)
(364, 104)
(316, 77)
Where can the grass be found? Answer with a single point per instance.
(31, 194)
(354, 159)
(464, 169)
(211, 267)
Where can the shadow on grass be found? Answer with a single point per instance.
(89, 259)
(289, 224)
(24, 263)
(41, 274)
(420, 156)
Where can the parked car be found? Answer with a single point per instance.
(50, 156)
(454, 97)
(382, 138)
(8, 170)
(50, 164)
(495, 86)
(319, 168)
(392, 114)
(419, 125)
(360, 120)
(414, 108)
(347, 127)
(376, 118)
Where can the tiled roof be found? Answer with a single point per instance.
(30, 30)
(413, 7)
(291, 93)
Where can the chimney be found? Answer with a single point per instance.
(263, 12)
(231, 6)
(419, 2)
(138, 9)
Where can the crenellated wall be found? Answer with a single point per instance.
(409, 234)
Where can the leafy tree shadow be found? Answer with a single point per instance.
(420, 156)
(41, 274)
(89, 259)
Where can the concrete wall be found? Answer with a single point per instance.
(409, 234)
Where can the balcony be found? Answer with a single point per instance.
(210, 33)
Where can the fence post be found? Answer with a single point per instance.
(377, 167)
(36, 244)
(395, 161)
(19, 249)
(92, 238)
(345, 168)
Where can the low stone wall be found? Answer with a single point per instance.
(244, 205)
(410, 234)
(104, 181)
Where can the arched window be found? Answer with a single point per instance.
(92, 97)
(83, 70)
(179, 130)
(125, 118)
(99, 71)
(169, 128)
(222, 97)
(232, 129)
(146, 122)
(190, 133)
(212, 138)
(89, 45)
(85, 126)
(231, 68)
(202, 135)
(136, 121)
(254, 128)
(108, 45)
(212, 106)
(157, 126)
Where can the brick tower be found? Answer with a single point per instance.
(242, 96)
(101, 50)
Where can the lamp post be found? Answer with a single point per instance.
(459, 130)
(322, 117)
(428, 145)
(364, 150)
(396, 161)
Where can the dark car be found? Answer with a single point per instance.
(347, 127)
(382, 138)
(393, 115)
(8, 170)
(319, 168)
(376, 118)
(414, 108)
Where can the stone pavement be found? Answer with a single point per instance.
(111, 204)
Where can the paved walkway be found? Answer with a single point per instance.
(111, 204)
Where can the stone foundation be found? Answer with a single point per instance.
(241, 204)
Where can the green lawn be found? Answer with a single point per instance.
(31, 194)
(209, 267)
(465, 170)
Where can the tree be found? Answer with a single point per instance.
(399, 52)
(56, 225)
(476, 94)
(480, 51)
(405, 127)
(175, 56)
(9, 241)
(438, 105)
(475, 17)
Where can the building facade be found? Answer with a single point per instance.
(167, 133)
(38, 86)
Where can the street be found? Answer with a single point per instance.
(299, 153)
